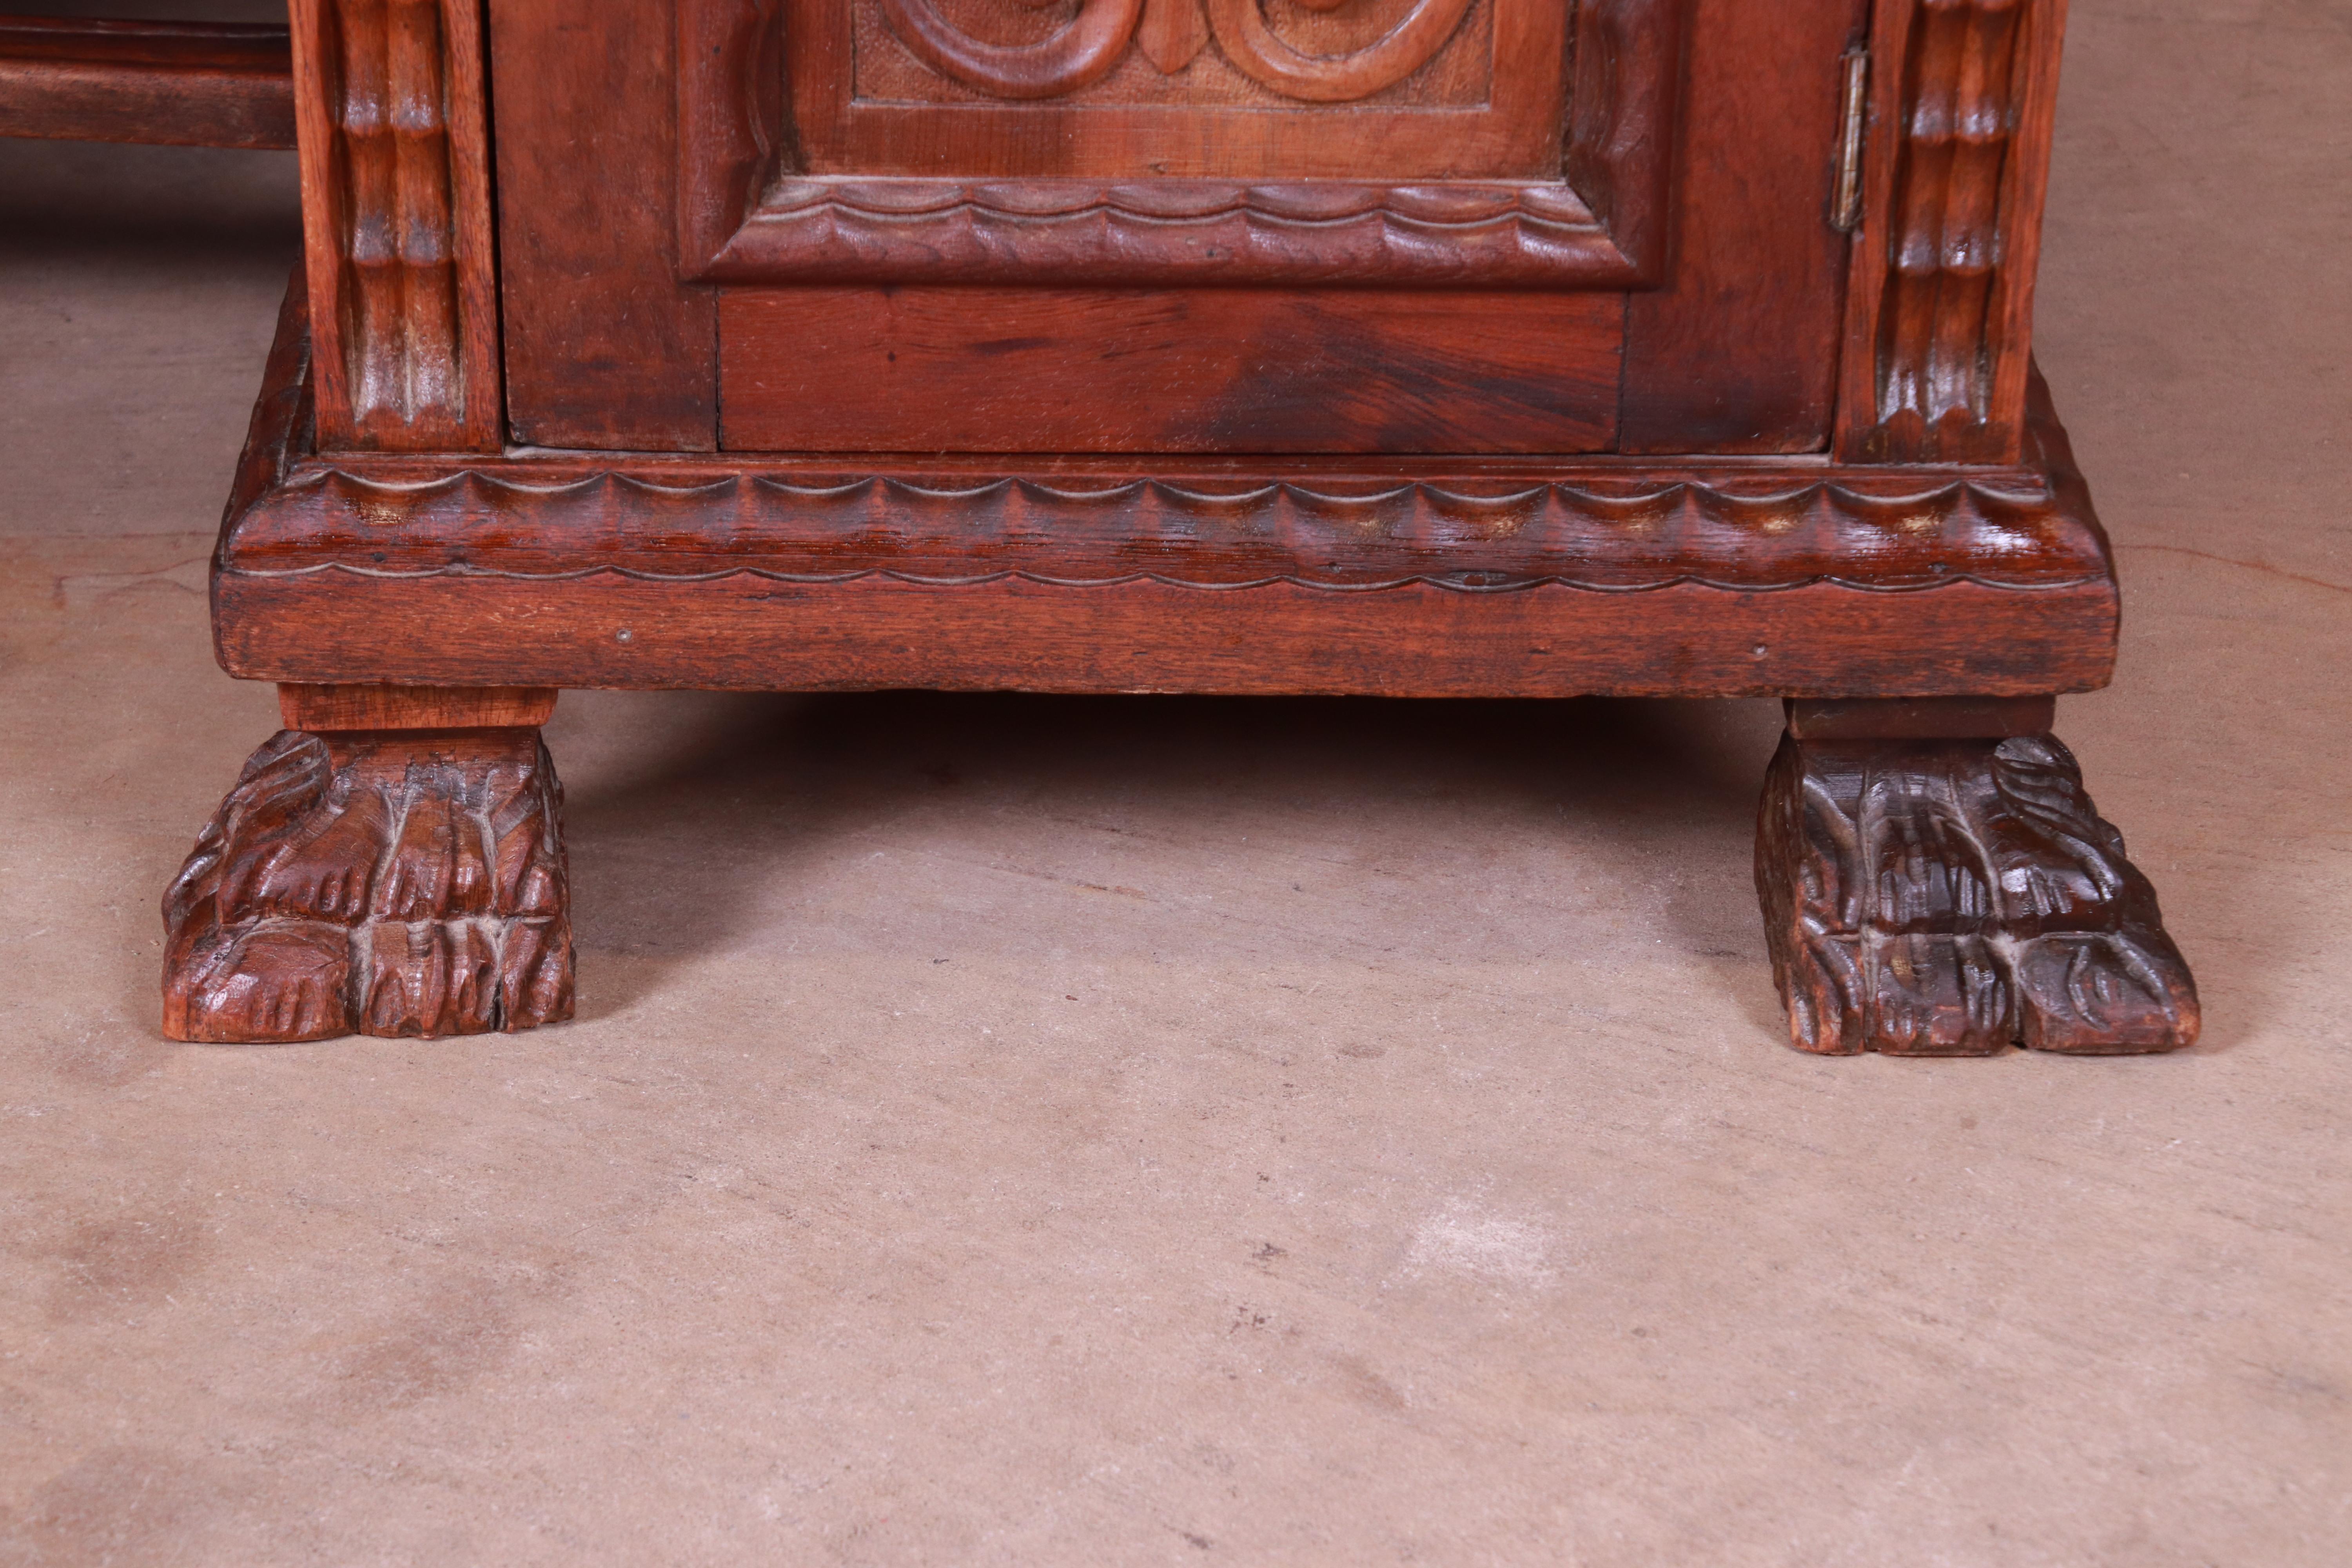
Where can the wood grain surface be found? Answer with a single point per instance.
(1227, 369)
(335, 708)
(1738, 351)
(1510, 575)
(605, 347)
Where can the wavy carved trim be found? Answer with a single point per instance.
(1389, 577)
(1896, 533)
(395, 186)
(1608, 526)
(1939, 334)
(1490, 234)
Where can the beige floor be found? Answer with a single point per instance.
(1043, 1132)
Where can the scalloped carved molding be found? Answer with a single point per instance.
(1471, 234)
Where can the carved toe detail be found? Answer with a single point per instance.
(381, 883)
(265, 982)
(1946, 898)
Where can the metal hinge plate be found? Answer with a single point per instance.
(1846, 208)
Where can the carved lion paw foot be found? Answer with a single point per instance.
(1948, 898)
(374, 883)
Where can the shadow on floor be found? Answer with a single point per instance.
(704, 803)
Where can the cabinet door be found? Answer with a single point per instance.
(1238, 227)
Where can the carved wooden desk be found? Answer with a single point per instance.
(1403, 347)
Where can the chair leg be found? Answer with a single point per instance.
(403, 879)
(1948, 894)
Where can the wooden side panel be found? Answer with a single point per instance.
(605, 348)
(1939, 330)
(1738, 353)
(395, 146)
(1212, 370)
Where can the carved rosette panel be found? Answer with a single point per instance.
(1070, 47)
(1946, 898)
(1959, 157)
(397, 218)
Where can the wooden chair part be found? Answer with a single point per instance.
(182, 84)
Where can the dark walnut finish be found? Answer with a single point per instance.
(1400, 347)
(1950, 897)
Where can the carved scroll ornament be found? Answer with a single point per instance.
(1171, 34)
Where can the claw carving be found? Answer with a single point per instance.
(1945, 897)
(382, 884)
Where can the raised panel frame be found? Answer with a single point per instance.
(750, 214)
(610, 341)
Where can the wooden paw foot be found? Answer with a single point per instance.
(374, 883)
(1950, 897)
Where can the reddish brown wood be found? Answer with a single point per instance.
(396, 224)
(1946, 898)
(284, 426)
(606, 348)
(1231, 370)
(897, 169)
(389, 883)
(1626, 105)
(1481, 234)
(189, 84)
(1941, 318)
(1432, 90)
(1407, 347)
(1735, 353)
(1522, 576)
(749, 632)
(331, 708)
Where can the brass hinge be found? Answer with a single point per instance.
(1845, 210)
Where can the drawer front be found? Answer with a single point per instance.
(1231, 369)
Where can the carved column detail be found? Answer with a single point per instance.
(1939, 324)
(396, 223)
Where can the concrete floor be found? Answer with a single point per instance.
(1039, 1132)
